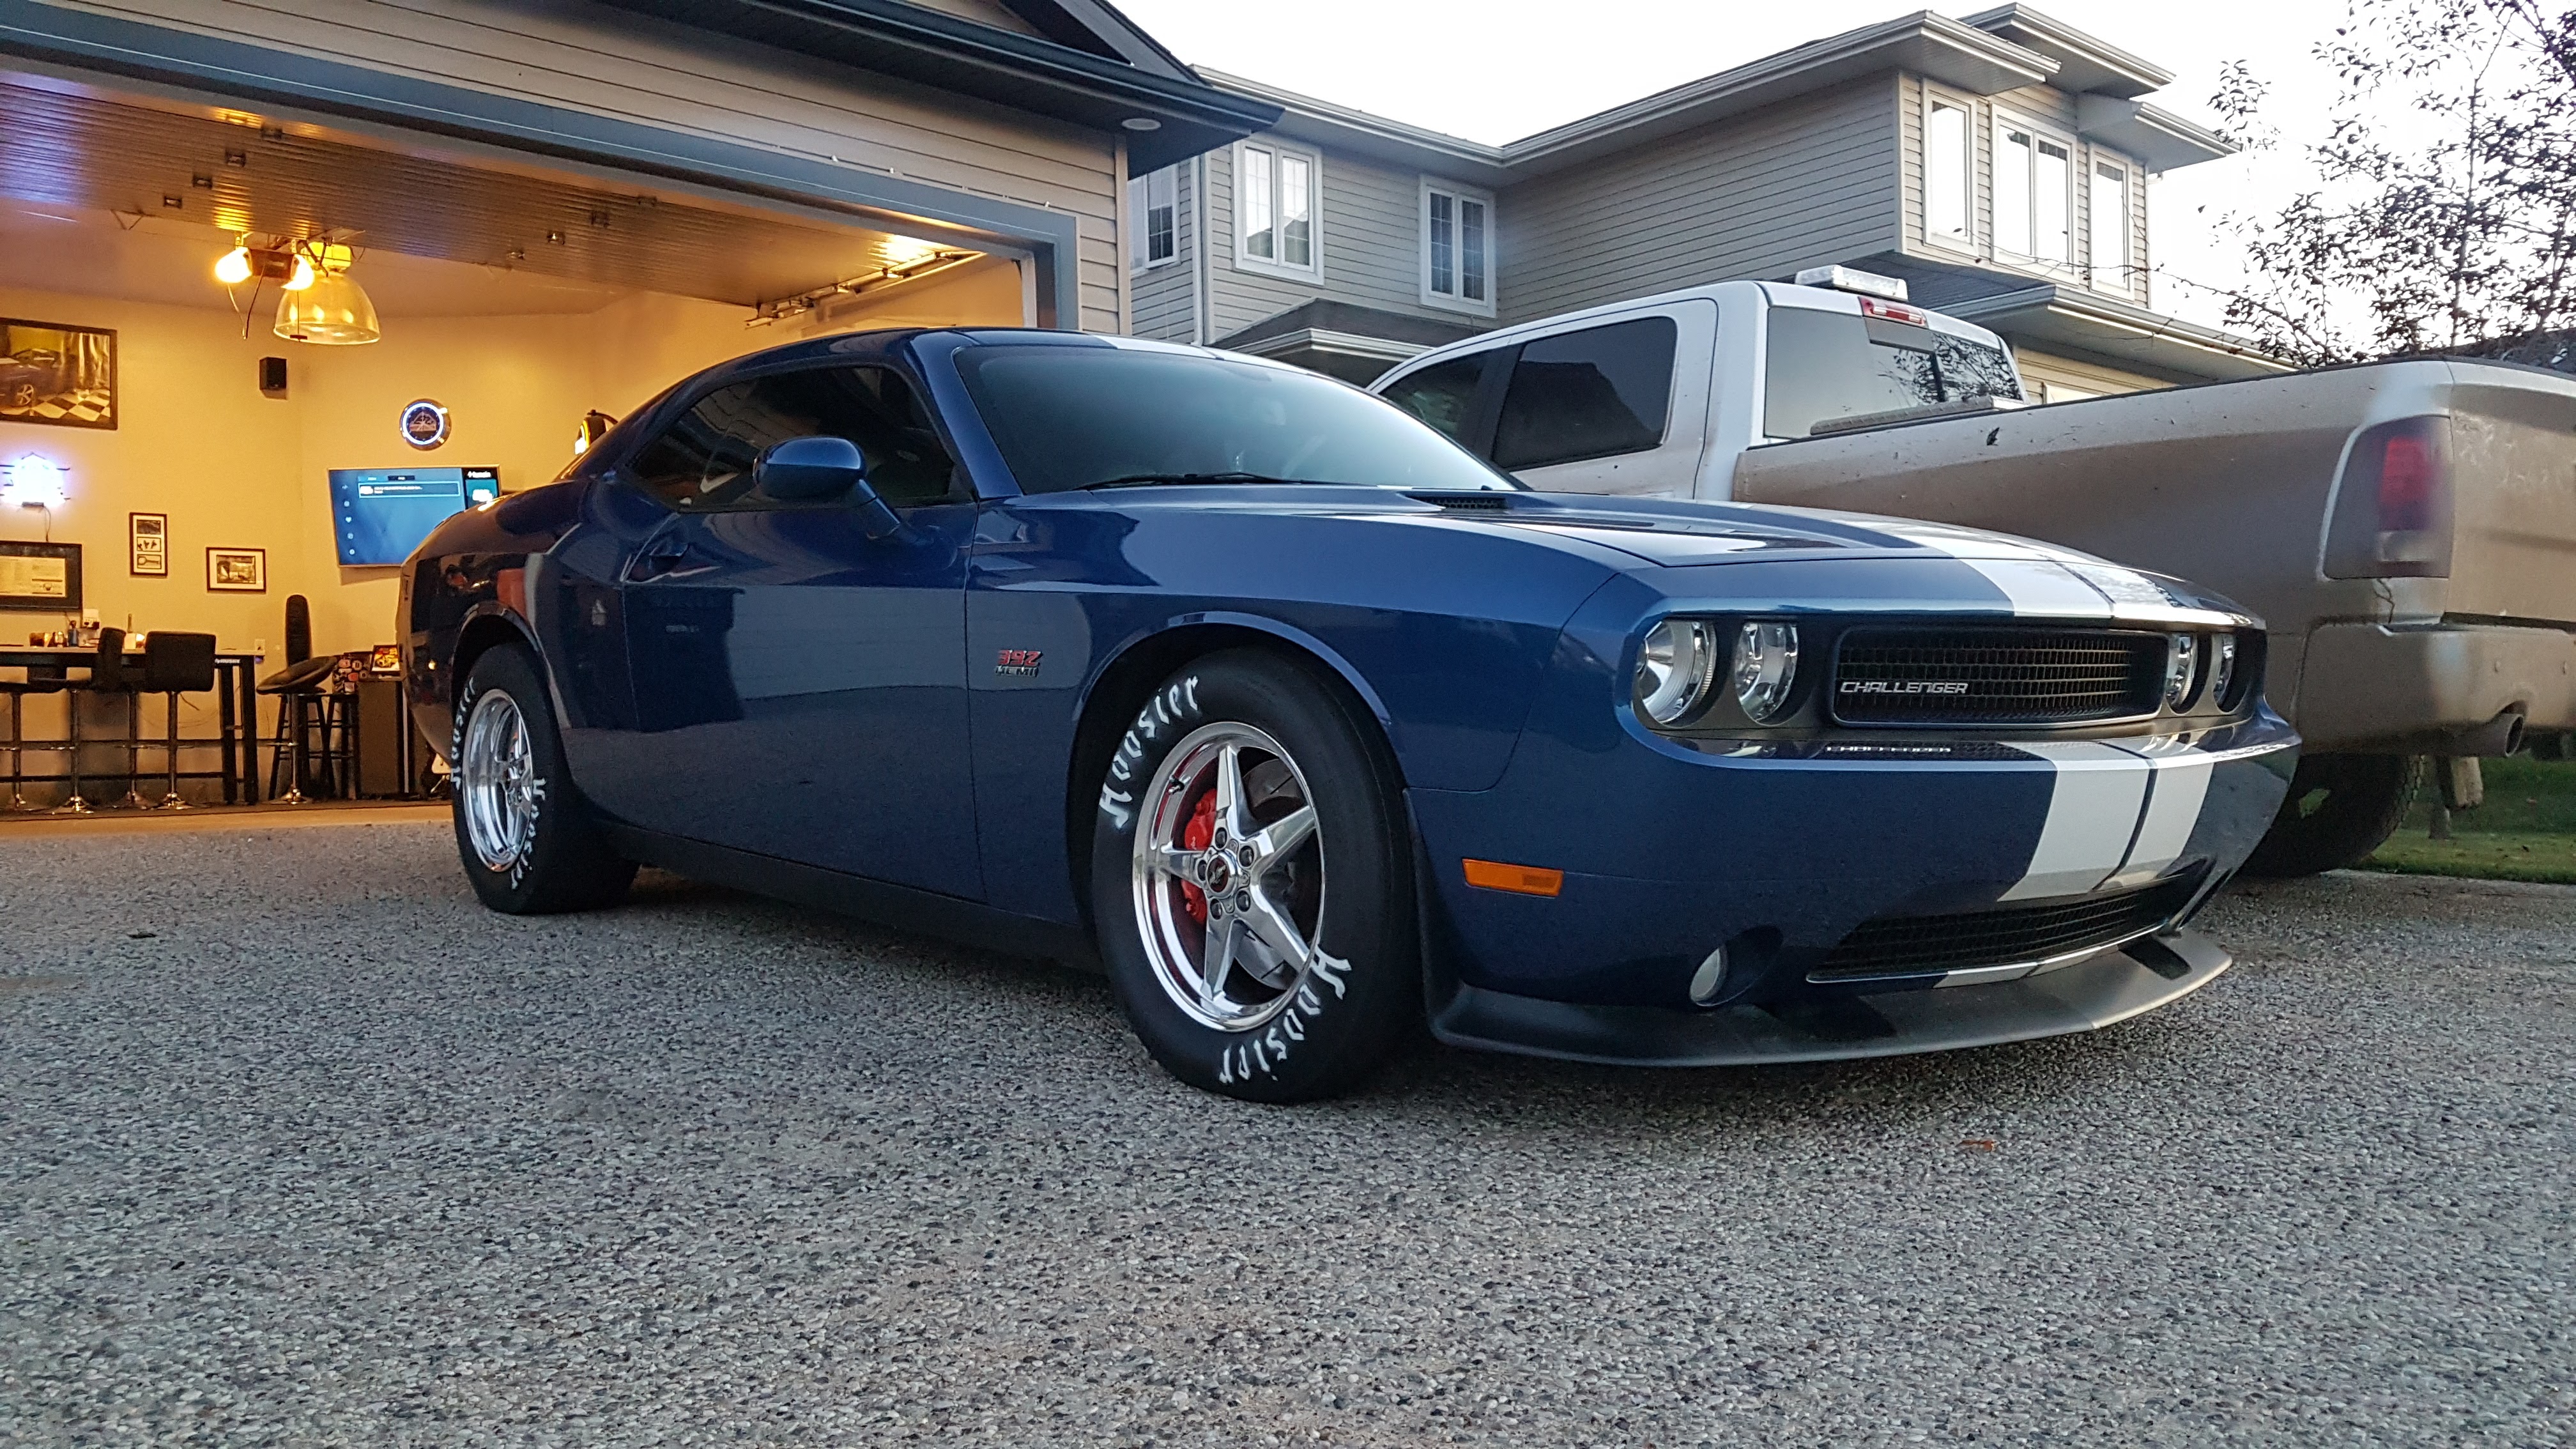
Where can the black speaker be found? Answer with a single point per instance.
(299, 629)
(272, 376)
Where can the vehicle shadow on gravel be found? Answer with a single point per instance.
(1431, 1084)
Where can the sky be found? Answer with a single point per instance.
(1503, 69)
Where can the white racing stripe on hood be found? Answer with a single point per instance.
(2093, 810)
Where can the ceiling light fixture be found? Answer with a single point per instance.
(328, 309)
(234, 267)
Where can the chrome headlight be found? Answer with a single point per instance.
(2222, 669)
(1674, 668)
(1766, 666)
(2182, 669)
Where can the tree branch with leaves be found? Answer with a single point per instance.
(2445, 215)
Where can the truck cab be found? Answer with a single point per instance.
(1660, 397)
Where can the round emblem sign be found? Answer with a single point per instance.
(424, 423)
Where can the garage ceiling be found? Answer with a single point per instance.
(79, 151)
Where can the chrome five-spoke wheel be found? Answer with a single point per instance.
(496, 782)
(1229, 877)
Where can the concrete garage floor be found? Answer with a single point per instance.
(304, 1147)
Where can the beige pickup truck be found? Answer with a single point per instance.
(2406, 529)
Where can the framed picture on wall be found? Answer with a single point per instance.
(148, 537)
(237, 570)
(43, 577)
(58, 374)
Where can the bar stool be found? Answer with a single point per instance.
(108, 664)
(297, 687)
(18, 690)
(174, 664)
(115, 673)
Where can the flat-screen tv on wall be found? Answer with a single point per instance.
(379, 515)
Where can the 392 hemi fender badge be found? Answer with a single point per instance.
(1022, 662)
(1905, 686)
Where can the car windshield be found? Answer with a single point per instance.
(1827, 365)
(1085, 417)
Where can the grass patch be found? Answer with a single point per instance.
(2526, 830)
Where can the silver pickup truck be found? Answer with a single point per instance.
(2407, 529)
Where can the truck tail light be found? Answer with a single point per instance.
(2393, 511)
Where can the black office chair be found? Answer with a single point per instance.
(18, 690)
(173, 665)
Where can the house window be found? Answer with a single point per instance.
(2034, 181)
(1946, 168)
(1153, 210)
(2111, 264)
(1457, 248)
(1275, 207)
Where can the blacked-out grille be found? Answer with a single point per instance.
(2003, 935)
(1996, 676)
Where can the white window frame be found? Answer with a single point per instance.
(2024, 249)
(1313, 266)
(1451, 300)
(2123, 281)
(1143, 192)
(1962, 242)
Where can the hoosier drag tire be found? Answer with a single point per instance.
(1252, 884)
(525, 835)
(2340, 808)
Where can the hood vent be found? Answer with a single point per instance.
(1477, 502)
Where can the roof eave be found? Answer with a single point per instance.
(2086, 62)
(928, 47)
(1359, 133)
(2161, 140)
(2120, 332)
(1925, 43)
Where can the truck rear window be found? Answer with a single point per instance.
(1825, 365)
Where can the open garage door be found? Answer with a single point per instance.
(488, 304)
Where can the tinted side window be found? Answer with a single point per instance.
(1589, 394)
(702, 463)
(1443, 395)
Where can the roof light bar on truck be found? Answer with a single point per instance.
(1852, 279)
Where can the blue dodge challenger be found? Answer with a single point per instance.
(1310, 727)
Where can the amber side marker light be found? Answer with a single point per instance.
(1525, 880)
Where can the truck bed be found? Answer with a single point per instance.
(2232, 485)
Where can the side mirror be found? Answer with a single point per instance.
(820, 470)
(809, 470)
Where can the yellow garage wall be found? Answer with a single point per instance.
(231, 467)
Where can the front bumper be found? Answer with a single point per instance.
(1820, 870)
(2436, 688)
(2109, 987)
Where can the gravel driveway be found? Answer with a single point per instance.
(305, 1147)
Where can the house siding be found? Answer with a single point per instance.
(618, 65)
(1368, 235)
(1167, 297)
(1810, 180)
(2052, 371)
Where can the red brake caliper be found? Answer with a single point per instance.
(1196, 835)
